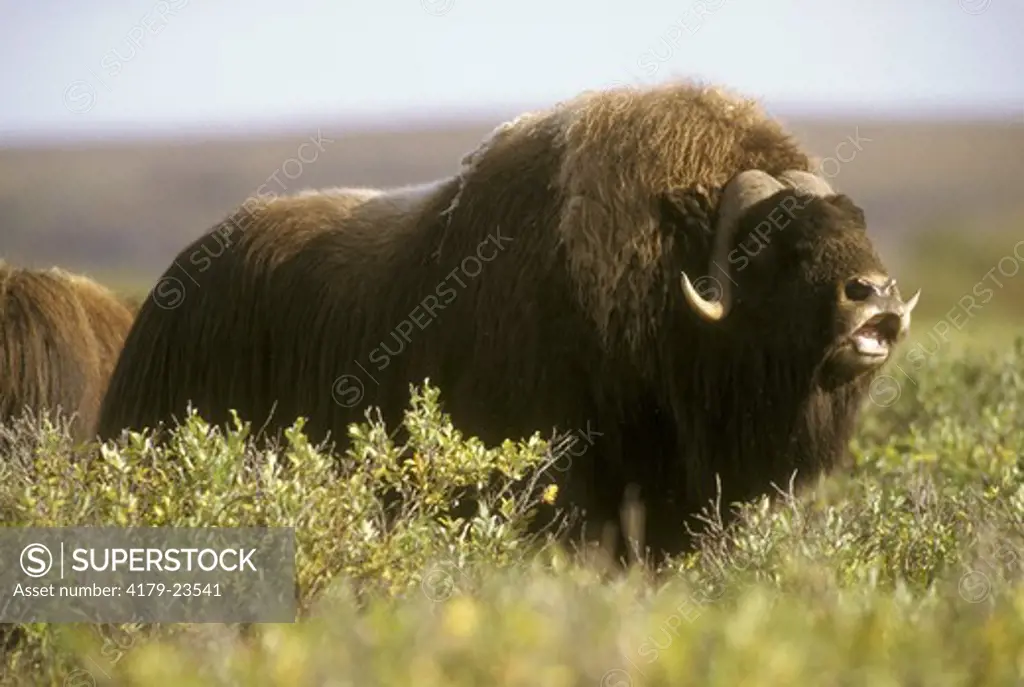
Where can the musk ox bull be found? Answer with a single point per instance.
(657, 270)
(60, 335)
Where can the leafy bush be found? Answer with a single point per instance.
(350, 528)
(905, 570)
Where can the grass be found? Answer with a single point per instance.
(972, 279)
(904, 571)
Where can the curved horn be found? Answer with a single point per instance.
(806, 183)
(908, 308)
(912, 303)
(743, 190)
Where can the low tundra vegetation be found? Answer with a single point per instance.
(905, 570)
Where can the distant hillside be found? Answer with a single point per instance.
(131, 207)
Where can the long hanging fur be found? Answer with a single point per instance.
(60, 336)
(538, 288)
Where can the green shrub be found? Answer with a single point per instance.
(351, 532)
(905, 570)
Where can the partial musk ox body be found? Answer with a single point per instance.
(552, 283)
(60, 335)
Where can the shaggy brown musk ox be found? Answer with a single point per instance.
(548, 284)
(60, 335)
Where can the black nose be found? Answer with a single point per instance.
(888, 326)
(858, 289)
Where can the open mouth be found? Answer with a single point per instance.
(874, 338)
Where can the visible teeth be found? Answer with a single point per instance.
(870, 343)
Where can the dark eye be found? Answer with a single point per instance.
(858, 290)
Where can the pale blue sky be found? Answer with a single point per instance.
(71, 66)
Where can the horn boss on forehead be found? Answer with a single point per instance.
(538, 287)
(818, 250)
(806, 182)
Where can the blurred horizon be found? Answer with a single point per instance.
(115, 134)
(129, 128)
(179, 67)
